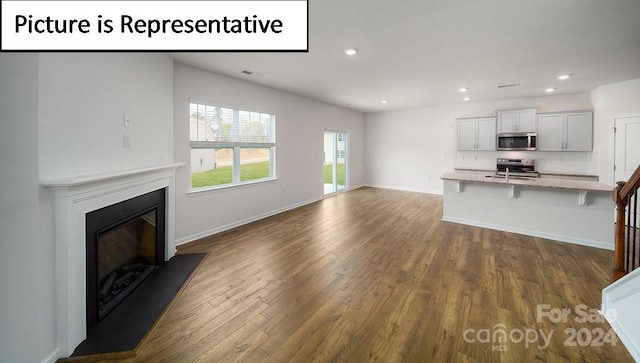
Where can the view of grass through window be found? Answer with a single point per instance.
(223, 175)
(328, 173)
(230, 146)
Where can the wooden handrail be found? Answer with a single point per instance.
(621, 194)
(632, 185)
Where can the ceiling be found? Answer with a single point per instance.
(417, 53)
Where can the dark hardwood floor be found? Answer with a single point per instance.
(374, 275)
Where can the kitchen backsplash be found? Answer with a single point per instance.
(576, 162)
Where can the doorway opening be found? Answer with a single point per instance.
(335, 161)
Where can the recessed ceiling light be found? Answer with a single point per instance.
(385, 101)
(562, 77)
(549, 90)
(351, 51)
(464, 89)
(466, 98)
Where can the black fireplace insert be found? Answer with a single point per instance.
(125, 245)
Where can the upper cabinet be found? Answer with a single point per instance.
(477, 134)
(565, 131)
(521, 120)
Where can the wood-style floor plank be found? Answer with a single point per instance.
(374, 275)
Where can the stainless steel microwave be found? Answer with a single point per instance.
(517, 141)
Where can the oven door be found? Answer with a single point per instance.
(519, 141)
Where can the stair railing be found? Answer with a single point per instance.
(627, 233)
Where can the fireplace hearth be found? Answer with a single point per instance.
(125, 244)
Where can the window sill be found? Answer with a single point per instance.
(221, 188)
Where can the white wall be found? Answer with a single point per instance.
(300, 123)
(62, 115)
(411, 149)
(26, 264)
(82, 102)
(611, 101)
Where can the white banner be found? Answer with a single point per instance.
(154, 25)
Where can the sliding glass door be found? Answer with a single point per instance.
(335, 161)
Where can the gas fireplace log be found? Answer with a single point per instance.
(106, 286)
(123, 280)
(132, 267)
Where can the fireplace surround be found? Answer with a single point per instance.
(74, 197)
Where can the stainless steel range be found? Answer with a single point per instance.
(525, 168)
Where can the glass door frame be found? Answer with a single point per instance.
(335, 147)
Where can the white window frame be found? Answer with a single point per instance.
(236, 147)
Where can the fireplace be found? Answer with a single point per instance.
(74, 198)
(125, 244)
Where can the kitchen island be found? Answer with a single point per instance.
(569, 210)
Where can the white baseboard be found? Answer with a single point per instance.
(226, 227)
(436, 192)
(357, 186)
(624, 319)
(209, 232)
(533, 233)
(52, 357)
(341, 191)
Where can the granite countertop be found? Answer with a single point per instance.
(549, 173)
(547, 183)
(564, 173)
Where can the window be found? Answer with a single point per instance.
(230, 147)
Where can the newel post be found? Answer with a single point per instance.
(621, 207)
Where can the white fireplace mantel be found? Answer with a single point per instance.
(74, 198)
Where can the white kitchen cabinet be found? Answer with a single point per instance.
(551, 132)
(579, 132)
(522, 120)
(565, 131)
(477, 134)
(467, 134)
